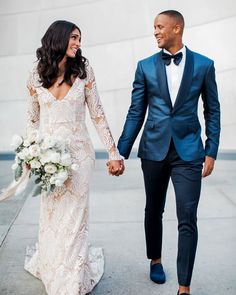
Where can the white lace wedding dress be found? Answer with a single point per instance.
(62, 258)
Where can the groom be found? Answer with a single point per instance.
(169, 84)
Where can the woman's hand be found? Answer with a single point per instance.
(116, 167)
(28, 166)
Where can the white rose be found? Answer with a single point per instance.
(42, 159)
(35, 164)
(14, 166)
(34, 136)
(24, 154)
(48, 142)
(50, 168)
(34, 150)
(59, 182)
(16, 141)
(17, 159)
(63, 175)
(65, 160)
(46, 156)
(75, 167)
(55, 157)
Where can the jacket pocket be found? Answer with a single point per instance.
(193, 127)
(149, 124)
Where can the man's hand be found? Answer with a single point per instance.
(116, 167)
(208, 166)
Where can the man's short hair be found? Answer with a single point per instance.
(175, 14)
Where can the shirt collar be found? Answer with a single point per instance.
(183, 50)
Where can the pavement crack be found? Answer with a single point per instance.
(13, 220)
(226, 196)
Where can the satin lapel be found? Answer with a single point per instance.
(162, 80)
(186, 80)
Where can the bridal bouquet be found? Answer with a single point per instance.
(47, 158)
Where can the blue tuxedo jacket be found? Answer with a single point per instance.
(179, 122)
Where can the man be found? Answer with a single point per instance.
(169, 84)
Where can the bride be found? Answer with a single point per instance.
(60, 86)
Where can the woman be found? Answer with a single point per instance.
(60, 86)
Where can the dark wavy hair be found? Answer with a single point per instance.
(53, 49)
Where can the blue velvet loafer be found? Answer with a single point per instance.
(157, 274)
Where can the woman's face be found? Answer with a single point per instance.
(74, 43)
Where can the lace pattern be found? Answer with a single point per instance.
(62, 259)
(97, 115)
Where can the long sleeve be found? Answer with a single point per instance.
(211, 112)
(136, 114)
(98, 116)
(33, 108)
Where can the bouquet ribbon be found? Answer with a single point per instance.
(16, 187)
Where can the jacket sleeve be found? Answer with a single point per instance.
(211, 112)
(136, 113)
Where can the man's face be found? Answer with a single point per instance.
(165, 31)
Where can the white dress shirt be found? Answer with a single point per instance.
(174, 74)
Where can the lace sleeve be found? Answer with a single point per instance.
(98, 116)
(33, 108)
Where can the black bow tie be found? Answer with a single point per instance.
(167, 58)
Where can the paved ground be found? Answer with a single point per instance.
(117, 225)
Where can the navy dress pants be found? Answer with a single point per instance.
(186, 178)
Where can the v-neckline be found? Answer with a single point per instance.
(63, 98)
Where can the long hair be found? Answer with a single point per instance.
(53, 49)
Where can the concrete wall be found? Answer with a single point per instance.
(115, 35)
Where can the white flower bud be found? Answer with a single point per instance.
(14, 166)
(75, 167)
(26, 142)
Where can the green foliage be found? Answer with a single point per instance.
(37, 191)
(52, 187)
(18, 172)
(38, 180)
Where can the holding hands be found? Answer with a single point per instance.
(115, 167)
